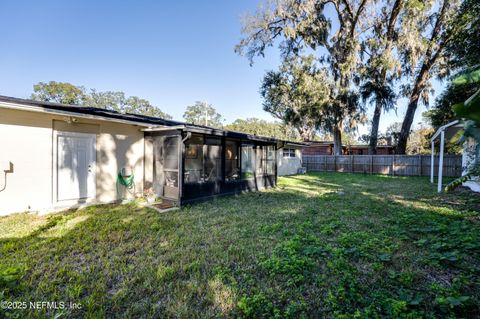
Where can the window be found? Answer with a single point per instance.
(288, 152)
(232, 161)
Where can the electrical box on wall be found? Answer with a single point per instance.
(6, 166)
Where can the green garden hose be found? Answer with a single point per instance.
(125, 181)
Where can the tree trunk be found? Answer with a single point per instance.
(421, 79)
(412, 107)
(372, 146)
(337, 140)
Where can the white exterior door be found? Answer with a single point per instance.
(75, 166)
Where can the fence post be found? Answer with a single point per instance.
(334, 163)
(421, 165)
(325, 162)
(351, 162)
(371, 164)
(393, 165)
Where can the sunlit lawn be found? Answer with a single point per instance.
(319, 245)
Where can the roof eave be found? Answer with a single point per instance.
(40, 109)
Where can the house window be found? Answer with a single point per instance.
(288, 152)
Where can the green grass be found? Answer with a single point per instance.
(319, 245)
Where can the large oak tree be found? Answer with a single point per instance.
(302, 25)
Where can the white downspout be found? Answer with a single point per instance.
(432, 163)
(440, 162)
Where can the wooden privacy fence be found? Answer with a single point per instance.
(401, 165)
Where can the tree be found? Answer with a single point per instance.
(469, 111)
(264, 128)
(464, 49)
(427, 29)
(382, 66)
(303, 25)
(393, 132)
(349, 139)
(119, 102)
(297, 94)
(202, 113)
(441, 113)
(58, 92)
(419, 141)
(67, 93)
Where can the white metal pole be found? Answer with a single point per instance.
(432, 163)
(440, 162)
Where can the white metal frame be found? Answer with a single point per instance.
(441, 132)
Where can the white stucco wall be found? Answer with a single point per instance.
(288, 165)
(26, 141)
(468, 157)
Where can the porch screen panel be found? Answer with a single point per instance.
(270, 160)
(259, 160)
(194, 160)
(232, 161)
(158, 160)
(248, 161)
(170, 165)
(213, 159)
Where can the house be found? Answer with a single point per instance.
(55, 156)
(326, 148)
(289, 158)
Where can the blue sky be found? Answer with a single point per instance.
(169, 52)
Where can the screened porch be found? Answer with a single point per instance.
(190, 166)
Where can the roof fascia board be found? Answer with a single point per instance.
(40, 109)
(162, 128)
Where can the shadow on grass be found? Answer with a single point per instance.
(300, 249)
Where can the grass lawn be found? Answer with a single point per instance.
(319, 245)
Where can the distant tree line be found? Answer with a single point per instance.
(67, 93)
(369, 53)
(200, 113)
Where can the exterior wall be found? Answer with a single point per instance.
(318, 150)
(289, 165)
(26, 141)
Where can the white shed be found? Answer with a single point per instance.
(289, 158)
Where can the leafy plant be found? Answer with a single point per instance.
(470, 111)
